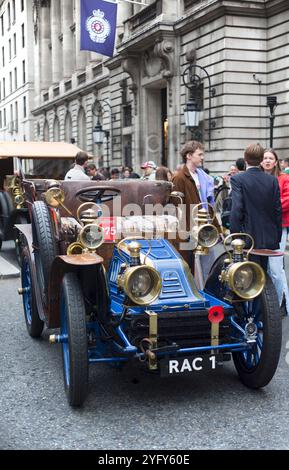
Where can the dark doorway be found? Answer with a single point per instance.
(6, 168)
(164, 111)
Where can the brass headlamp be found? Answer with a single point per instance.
(91, 236)
(204, 233)
(142, 284)
(16, 191)
(244, 278)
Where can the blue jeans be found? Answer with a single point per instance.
(277, 273)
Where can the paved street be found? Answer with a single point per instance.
(127, 409)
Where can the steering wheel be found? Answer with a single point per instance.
(97, 194)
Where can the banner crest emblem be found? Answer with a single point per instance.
(98, 27)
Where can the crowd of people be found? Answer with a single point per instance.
(84, 170)
(258, 187)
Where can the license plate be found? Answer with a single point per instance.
(109, 225)
(187, 365)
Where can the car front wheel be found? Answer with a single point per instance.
(74, 340)
(257, 365)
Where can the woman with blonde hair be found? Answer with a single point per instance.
(271, 165)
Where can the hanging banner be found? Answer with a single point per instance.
(98, 26)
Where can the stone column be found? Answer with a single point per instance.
(170, 9)
(124, 12)
(55, 33)
(67, 21)
(45, 52)
(82, 57)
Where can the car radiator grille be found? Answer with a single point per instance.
(187, 329)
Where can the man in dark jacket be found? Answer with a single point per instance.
(256, 205)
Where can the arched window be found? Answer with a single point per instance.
(82, 141)
(68, 128)
(46, 132)
(56, 130)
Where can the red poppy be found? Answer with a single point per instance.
(216, 314)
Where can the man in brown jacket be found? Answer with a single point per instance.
(196, 185)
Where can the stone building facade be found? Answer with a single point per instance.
(16, 70)
(239, 48)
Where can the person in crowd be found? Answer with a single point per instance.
(94, 173)
(285, 165)
(179, 167)
(114, 174)
(149, 170)
(164, 174)
(271, 165)
(194, 184)
(133, 174)
(233, 170)
(191, 180)
(126, 173)
(105, 171)
(256, 205)
(78, 171)
(240, 164)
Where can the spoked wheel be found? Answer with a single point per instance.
(74, 346)
(257, 366)
(33, 323)
(45, 249)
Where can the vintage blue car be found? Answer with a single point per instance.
(113, 300)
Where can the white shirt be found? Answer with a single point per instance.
(76, 173)
(195, 177)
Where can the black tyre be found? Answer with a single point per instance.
(220, 196)
(33, 323)
(257, 366)
(74, 349)
(4, 217)
(9, 202)
(45, 249)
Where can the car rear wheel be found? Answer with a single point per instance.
(45, 249)
(4, 217)
(74, 347)
(257, 366)
(33, 323)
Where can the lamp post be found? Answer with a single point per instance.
(193, 81)
(272, 104)
(99, 134)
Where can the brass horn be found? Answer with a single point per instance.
(75, 248)
(54, 197)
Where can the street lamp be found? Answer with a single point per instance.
(272, 104)
(99, 134)
(192, 113)
(193, 81)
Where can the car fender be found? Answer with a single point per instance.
(60, 266)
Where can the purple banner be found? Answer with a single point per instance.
(98, 26)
